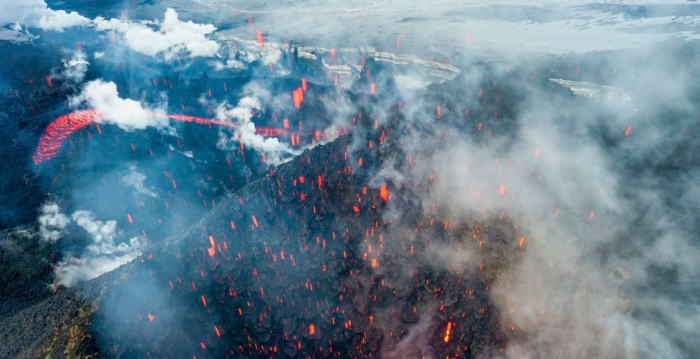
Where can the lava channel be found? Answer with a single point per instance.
(62, 127)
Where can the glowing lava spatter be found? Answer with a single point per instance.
(62, 127)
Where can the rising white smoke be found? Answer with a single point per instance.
(36, 14)
(276, 152)
(52, 222)
(126, 113)
(102, 233)
(172, 37)
(135, 179)
(107, 251)
(73, 70)
(228, 64)
(69, 273)
(104, 255)
(245, 52)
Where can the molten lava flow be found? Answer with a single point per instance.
(59, 130)
(63, 126)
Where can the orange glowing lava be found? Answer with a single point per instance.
(298, 97)
(57, 131)
(260, 38)
(383, 193)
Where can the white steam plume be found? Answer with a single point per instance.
(104, 254)
(52, 222)
(228, 64)
(36, 14)
(135, 179)
(276, 152)
(172, 37)
(245, 52)
(128, 114)
(73, 70)
(69, 273)
(102, 233)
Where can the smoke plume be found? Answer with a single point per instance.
(172, 37)
(52, 222)
(107, 251)
(601, 231)
(36, 14)
(276, 152)
(126, 113)
(135, 179)
(72, 71)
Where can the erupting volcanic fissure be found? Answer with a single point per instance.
(63, 126)
(320, 180)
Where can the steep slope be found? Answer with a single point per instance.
(323, 257)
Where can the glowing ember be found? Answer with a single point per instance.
(298, 96)
(211, 250)
(447, 333)
(260, 38)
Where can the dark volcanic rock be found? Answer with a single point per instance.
(285, 265)
(282, 266)
(309, 261)
(24, 271)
